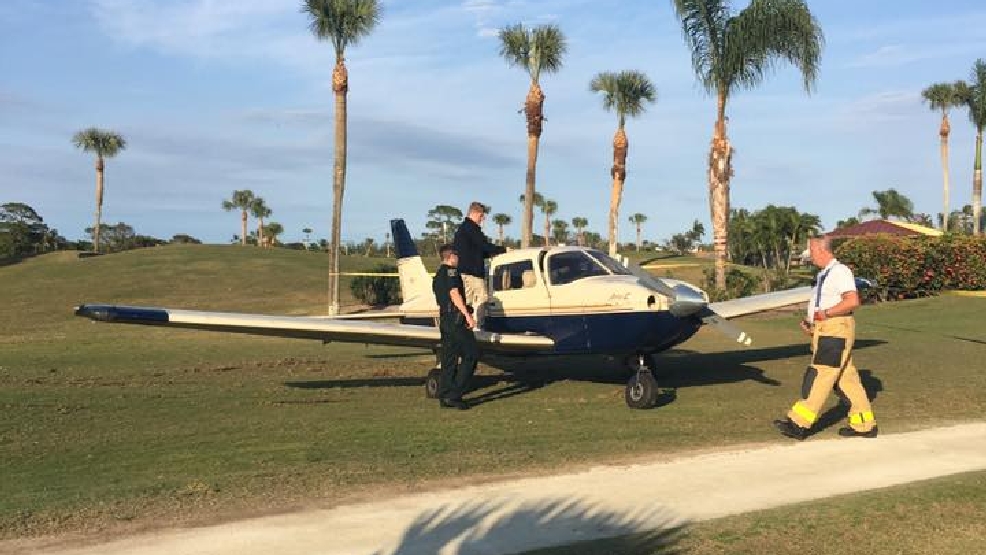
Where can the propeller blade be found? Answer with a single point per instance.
(726, 327)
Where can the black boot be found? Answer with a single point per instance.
(791, 430)
(849, 432)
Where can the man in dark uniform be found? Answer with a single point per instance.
(474, 248)
(456, 323)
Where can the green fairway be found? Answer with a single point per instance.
(108, 427)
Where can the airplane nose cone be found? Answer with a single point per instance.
(687, 301)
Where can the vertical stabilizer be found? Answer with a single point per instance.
(415, 280)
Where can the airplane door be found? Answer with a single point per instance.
(520, 301)
(568, 299)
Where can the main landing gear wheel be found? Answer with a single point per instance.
(641, 391)
(431, 383)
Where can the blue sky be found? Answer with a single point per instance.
(217, 95)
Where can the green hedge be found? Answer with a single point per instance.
(377, 290)
(916, 266)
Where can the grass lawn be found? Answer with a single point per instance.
(938, 517)
(109, 428)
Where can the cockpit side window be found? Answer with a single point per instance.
(517, 275)
(566, 267)
(612, 265)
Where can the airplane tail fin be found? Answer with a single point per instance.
(414, 278)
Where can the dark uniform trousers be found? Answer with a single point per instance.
(832, 366)
(457, 341)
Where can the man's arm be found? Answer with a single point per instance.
(487, 247)
(849, 302)
(460, 304)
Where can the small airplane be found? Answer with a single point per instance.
(550, 301)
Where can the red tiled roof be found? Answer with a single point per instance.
(876, 226)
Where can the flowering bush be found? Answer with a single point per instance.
(913, 266)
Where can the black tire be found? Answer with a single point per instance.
(641, 391)
(431, 383)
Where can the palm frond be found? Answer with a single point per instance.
(703, 24)
(942, 96)
(626, 91)
(769, 31)
(341, 22)
(974, 95)
(104, 143)
(538, 49)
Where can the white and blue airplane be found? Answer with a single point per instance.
(551, 301)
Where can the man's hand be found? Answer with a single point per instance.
(806, 327)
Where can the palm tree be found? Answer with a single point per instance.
(890, 204)
(637, 219)
(734, 52)
(626, 93)
(259, 210)
(549, 208)
(343, 23)
(580, 223)
(501, 220)
(537, 50)
(307, 231)
(943, 96)
(242, 201)
(271, 231)
(974, 98)
(559, 230)
(106, 144)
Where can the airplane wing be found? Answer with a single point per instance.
(308, 327)
(760, 303)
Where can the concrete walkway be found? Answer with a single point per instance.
(518, 515)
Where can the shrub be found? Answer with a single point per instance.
(377, 290)
(906, 267)
(738, 284)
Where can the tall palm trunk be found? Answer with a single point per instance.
(547, 229)
(260, 233)
(945, 129)
(638, 238)
(340, 84)
(243, 227)
(534, 111)
(977, 183)
(99, 201)
(720, 170)
(500, 233)
(619, 173)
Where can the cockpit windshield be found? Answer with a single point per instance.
(568, 266)
(610, 264)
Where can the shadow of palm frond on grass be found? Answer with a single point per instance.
(546, 527)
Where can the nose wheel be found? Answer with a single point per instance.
(641, 391)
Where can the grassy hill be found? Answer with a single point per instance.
(117, 427)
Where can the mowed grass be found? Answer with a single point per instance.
(937, 517)
(108, 428)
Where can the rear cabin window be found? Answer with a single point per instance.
(511, 276)
(566, 267)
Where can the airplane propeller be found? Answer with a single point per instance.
(688, 301)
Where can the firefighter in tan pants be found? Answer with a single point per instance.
(833, 331)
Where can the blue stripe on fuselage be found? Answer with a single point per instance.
(602, 333)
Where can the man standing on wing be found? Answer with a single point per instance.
(474, 248)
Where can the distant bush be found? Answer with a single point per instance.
(738, 284)
(377, 290)
(185, 239)
(906, 267)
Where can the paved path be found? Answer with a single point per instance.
(513, 516)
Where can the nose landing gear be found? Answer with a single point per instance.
(641, 391)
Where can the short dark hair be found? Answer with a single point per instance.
(476, 206)
(445, 250)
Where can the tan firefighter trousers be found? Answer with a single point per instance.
(831, 365)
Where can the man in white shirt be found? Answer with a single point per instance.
(833, 331)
